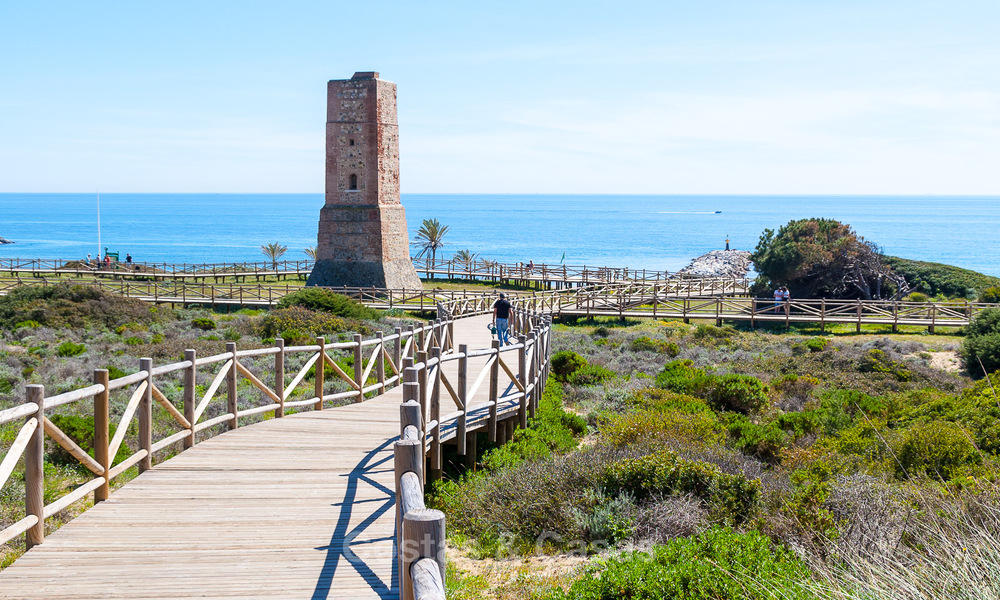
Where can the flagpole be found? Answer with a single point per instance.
(98, 225)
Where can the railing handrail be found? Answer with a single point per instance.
(382, 351)
(419, 531)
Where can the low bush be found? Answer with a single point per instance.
(765, 441)
(76, 306)
(300, 323)
(648, 344)
(917, 297)
(590, 375)
(718, 564)
(553, 429)
(565, 363)
(940, 279)
(70, 349)
(877, 361)
(698, 427)
(203, 323)
(990, 295)
(683, 377)
(731, 498)
(938, 449)
(320, 299)
(981, 347)
(739, 393)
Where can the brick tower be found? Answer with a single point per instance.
(362, 226)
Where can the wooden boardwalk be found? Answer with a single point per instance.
(296, 507)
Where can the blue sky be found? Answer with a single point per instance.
(514, 97)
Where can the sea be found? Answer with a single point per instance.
(640, 232)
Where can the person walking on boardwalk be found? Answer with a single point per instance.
(501, 318)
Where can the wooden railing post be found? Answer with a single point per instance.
(491, 427)
(397, 349)
(435, 432)
(413, 341)
(522, 372)
(279, 377)
(320, 371)
(422, 380)
(380, 362)
(232, 389)
(423, 537)
(463, 372)
(532, 370)
(359, 367)
(146, 417)
(102, 419)
(34, 470)
(190, 395)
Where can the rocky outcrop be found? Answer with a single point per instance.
(5, 241)
(719, 263)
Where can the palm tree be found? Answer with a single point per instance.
(430, 238)
(310, 252)
(274, 251)
(466, 257)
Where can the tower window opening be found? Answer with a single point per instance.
(352, 141)
(354, 182)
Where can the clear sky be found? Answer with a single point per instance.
(661, 97)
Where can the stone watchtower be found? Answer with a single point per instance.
(363, 240)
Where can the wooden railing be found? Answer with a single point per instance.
(194, 413)
(476, 270)
(650, 301)
(268, 295)
(37, 267)
(514, 389)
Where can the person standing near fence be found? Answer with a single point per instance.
(501, 318)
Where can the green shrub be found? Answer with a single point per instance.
(739, 393)
(565, 363)
(203, 323)
(683, 377)
(765, 441)
(731, 498)
(299, 323)
(70, 349)
(990, 294)
(718, 564)
(981, 347)
(647, 344)
(325, 300)
(81, 430)
(917, 297)
(66, 305)
(590, 375)
(937, 448)
(817, 344)
(134, 341)
(700, 427)
(939, 279)
(27, 325)
(114, 372)
(552, 429)
(601, 332)
(877, 361)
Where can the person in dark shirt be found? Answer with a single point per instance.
(501, 318)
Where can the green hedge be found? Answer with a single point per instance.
(936, 278)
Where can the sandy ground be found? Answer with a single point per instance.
(946, 361)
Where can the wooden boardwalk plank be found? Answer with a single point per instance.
(297, 507)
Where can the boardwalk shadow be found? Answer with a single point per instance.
(340, 551)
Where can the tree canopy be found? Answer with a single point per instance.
(824, 258)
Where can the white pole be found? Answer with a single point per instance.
(98, 226)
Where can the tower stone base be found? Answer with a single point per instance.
(394, 274)
(364, 246)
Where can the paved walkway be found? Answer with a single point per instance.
(297, 507)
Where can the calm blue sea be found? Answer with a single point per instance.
(652, 232)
